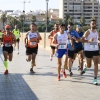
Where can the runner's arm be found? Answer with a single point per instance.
(54, 41)
(26, 38)
(50, 35)
(84, 36)
(71, 40)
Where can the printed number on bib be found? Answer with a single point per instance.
(62, 47)
(7, 45)
(32, 43)
(93, 46)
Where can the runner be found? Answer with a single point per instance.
(0, 37)
(79, 48)
(52, 33)
(16, 32)
(31, 43)
(61, 39)
(91, 50)
(7, 39)
(71, 49)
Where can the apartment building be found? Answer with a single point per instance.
(79, 8)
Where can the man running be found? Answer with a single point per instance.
(91, 50)
(16, 32)
(52, 33)
(61, 38)
(8, 39)
(71, 48)
(31, 43)
(79, 48)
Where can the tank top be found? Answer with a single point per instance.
(32, 39)
(62, 40)
(94, 45)
(7, 40)
(52, 34)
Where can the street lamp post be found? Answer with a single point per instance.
(46, 23)
(23, 19)
(47, 15)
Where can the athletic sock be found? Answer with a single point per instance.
(6, 65)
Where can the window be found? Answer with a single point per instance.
(87, 3)
(95, 10)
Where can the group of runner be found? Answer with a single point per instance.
(72, 43)
(10, 39)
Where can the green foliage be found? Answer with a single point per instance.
(82, 21)
(3, 18)
(33, 19)
(70, 19)
(85, 28)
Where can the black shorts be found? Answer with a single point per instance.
(78, 50)
(30, 51)
(18, 40)
(90, 54)
(8, 49)
(71, 54)
(53, 47)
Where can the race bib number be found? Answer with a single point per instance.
(94, 46)
(7, 45)
(62, 47)
(32, 43)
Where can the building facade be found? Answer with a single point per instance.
(80, 8)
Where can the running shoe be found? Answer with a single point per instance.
(26, 59)
(31, 70)
(58, 78)
(71, 74)
(78, 68)
(6, 72)
(84, 69)
(18, 52)
(50, 58)
(95, 82)
(64, 74)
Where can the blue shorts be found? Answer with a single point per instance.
(61, 52)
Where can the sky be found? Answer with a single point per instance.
(33, 5)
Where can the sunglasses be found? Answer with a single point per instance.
(7, 28)
(70, 27)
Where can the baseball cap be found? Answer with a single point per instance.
(78, 26)
(7, 26)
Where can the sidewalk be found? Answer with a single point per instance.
(43, 85)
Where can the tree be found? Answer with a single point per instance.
(82, 21)
(33, 19)
(93, 18)
(67, 16)
(85, 28)
(39, 28)
(60, 21)
(3, 18)
(21, 19)
(70, 19)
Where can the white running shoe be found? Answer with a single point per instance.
(50, 58)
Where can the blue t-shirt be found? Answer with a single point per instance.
(79, 45)
(73, 33)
